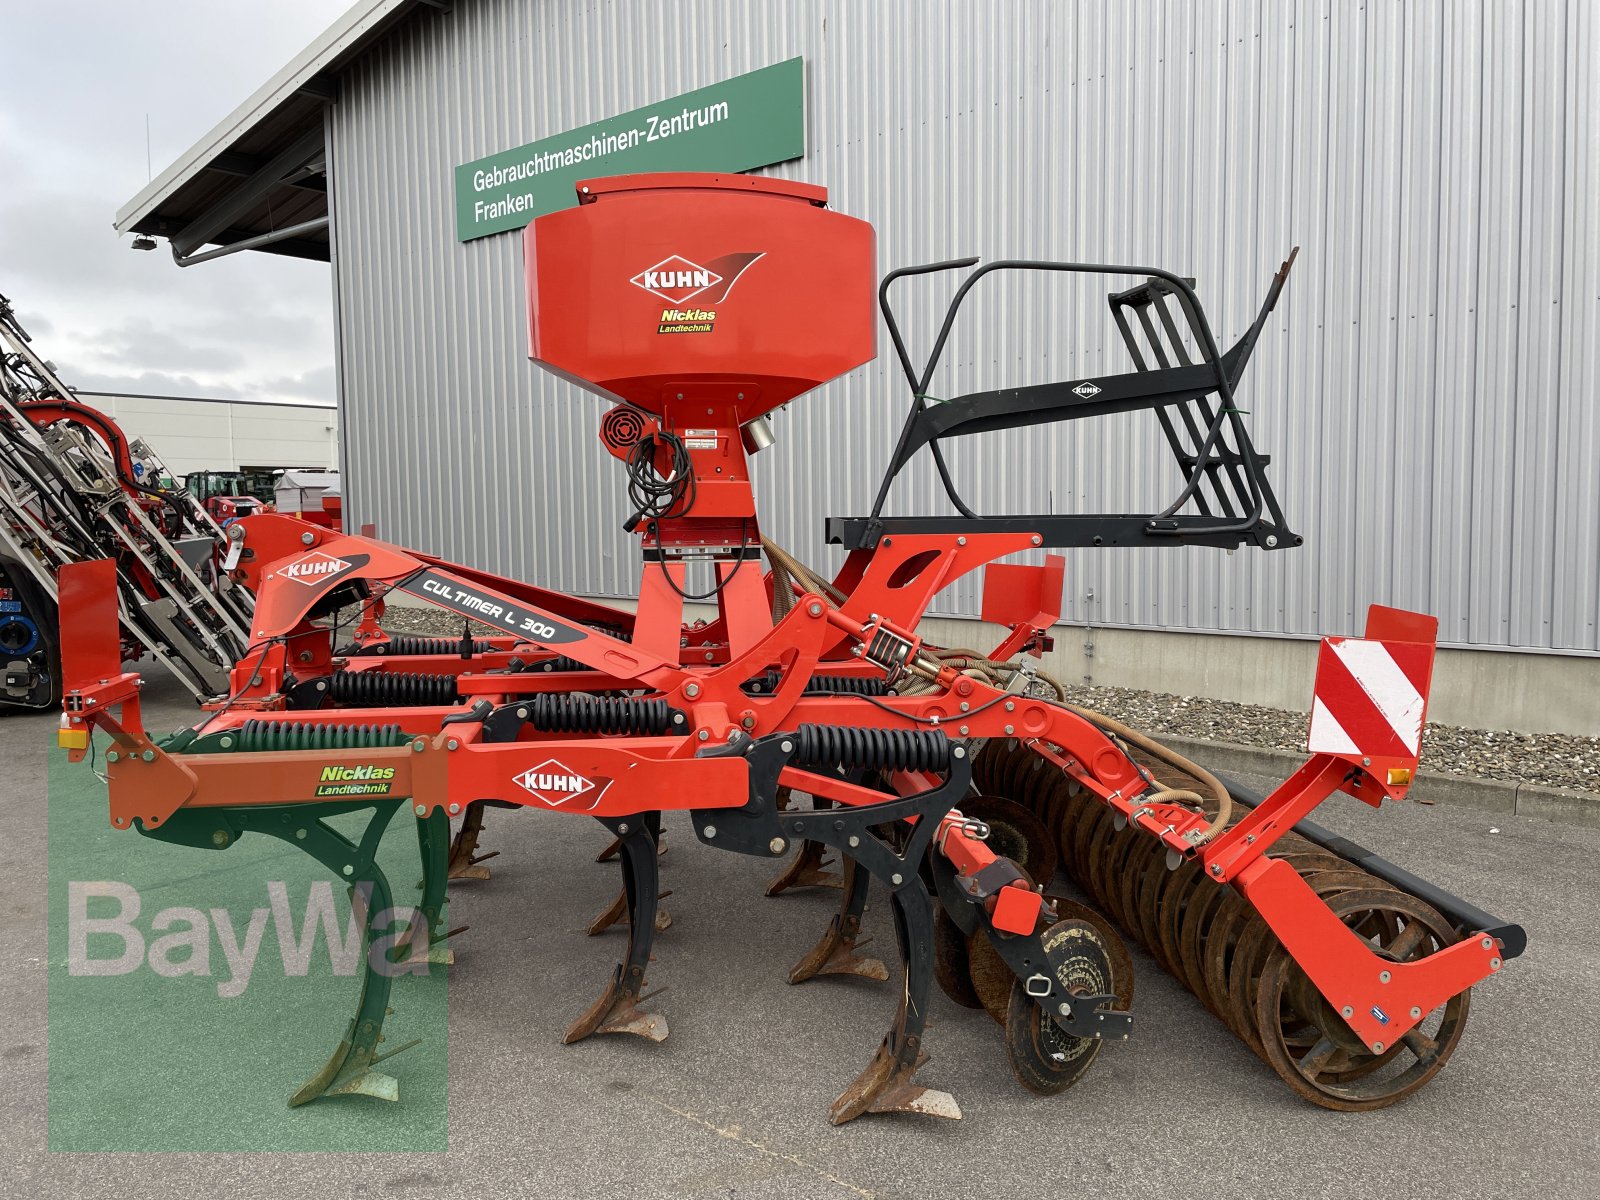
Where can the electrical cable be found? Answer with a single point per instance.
(655, 496)
(255, 677)
(744, 535)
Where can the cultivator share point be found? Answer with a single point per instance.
(809, 718)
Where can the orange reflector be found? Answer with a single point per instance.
(1399, 776)
(1016, 910)
(72, 739)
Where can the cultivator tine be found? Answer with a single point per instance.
(617, 910)
(885, 1086)
(423, 939)
(617, 1010)
(464, 858)
(808, 868)
(410, 947)
(349, 1071)
(836, 953)
(615, 844)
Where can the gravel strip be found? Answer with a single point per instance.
(1553, 759)
(426, 620)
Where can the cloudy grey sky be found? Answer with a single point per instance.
(77, 80)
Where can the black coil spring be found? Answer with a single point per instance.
(403, 689)
(410, 643)
(823, 685)
(556, 712)
(874, 749)
(311, 735)
(559, 663)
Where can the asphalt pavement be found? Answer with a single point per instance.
(734, 1103)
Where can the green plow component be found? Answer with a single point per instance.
(349, 1071)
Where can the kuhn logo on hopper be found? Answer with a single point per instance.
(554, 783)
(675, 279)
(314, 568)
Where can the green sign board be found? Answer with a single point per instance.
(748, 121)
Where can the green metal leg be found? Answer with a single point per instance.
(433, 841)
(349, 1072)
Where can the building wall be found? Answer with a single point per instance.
(1425, 389)
(223, 435)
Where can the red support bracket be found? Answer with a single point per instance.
(1254, 834)
(1380, 999)
(1025, 599)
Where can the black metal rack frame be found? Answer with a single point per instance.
(1223, 476)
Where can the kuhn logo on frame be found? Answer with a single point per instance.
(554, 783)
(313, 568)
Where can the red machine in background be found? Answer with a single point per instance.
(75, 488)
(810, 713)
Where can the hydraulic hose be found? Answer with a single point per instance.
(786, 568)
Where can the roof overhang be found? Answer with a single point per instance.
(259, 179)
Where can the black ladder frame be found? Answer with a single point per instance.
(1223, 475)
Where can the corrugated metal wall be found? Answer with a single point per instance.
(1427, 388)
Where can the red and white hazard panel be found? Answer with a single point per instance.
(1371, 698)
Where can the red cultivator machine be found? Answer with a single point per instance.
(809, 717)
(74, 487)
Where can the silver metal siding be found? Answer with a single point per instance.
(1426, 389)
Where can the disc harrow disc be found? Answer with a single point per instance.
(1125, 843)
(1009, 778)
(985, 764)
(1116, 949)
(951, 967)
(1098, 847)
(1008, 768)
(1017, 834)
(1180, 892)
(991, 979)
(1074, 815)
(1052, 790)
(1153, 881)
(1193, 937)
(1044, 1058)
